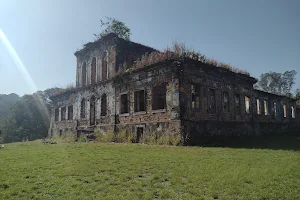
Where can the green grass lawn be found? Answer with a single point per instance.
(135, 171)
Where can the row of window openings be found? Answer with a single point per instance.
(195, 103)
(63, 114)
(195, 100)
(274, 109)
(93, 106)
(158, 100)
(93, 71)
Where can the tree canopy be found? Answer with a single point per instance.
(277, 83)
(114, 26)
(29, 118)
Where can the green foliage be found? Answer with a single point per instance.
(277, 83)
(149, 139)
(124, 136)
(114, 26)
(102, 136)
(5, 102)
(29, 119)
(82, 139)
(64, 139)
(297, 96)
(31, 170)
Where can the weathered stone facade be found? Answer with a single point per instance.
(174, 97)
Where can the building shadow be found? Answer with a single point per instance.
(247, 142)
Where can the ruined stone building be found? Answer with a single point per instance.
(178, 96)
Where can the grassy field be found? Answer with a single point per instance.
(135, 171)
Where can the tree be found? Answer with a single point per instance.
(277, 83)
(297, 96)
(114, 26)
(29, 119)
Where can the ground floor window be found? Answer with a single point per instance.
(266, 107)
(124, 103)
(195, 96)
(70, 112)
(225, 102)
(63, 113)
(159, 97)
(103, 105)
(212, 101)
(139, 101)
(284, 110)
(237, 104)
(56, 114)
(247, 104)
(293, 112)
(82, 109)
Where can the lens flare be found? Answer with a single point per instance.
(29, 81)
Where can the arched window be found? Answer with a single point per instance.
(93, 71)
(293, 112)
(84, 74)
(103, 105)
(82, 109)
(104, 67)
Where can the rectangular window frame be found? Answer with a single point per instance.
(126, 109)
(212, 107)
(63, 112)
(56, 115)
(237, 107)
(137, 96)
(293, 112)
(247, 108)
(258, 106)
(274, 109)
(225, 104)
(154, 95)
(70, 112)
(266, 107)
(284, 107)
(195, 91)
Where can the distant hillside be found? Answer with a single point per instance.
(5, 102)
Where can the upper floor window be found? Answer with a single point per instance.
(284, 110)
(84, 74)
(70, 112)
(93, 71)
(225, 102)
(212, 101)
(124, 103)
(104, 67)
(266, 111)
(103, 105)
(195, 95)
(293, 112)
(237, 104)
(159, 97)
(139, 101)
(247, 104)
(82, 109)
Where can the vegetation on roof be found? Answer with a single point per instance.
(114, 26)
(59, 91)
(178, 50)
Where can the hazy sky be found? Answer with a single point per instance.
(257, 35)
